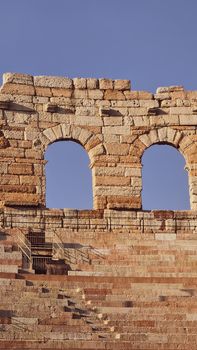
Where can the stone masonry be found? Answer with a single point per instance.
(130, 280)
(113, 123)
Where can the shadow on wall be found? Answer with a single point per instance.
(164, 179)
(68, 177)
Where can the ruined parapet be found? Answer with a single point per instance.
(113, 123)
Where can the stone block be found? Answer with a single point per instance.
(17, 89)
(117, 148)
(53, 81)
(20, 169)
(105, 84)
(112, 181)
(80, 83)
(95, 94)
(92, 83)
(17, 78)
(165, 89)
(43, 91)
(61, 92)
(122, 84)
(188, 119)
(114, 95)
(113, 121)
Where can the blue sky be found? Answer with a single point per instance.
(150, 42)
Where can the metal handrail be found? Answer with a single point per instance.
(23, 244)
(73, 255)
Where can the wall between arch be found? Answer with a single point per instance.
(113, 123)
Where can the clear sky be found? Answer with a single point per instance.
(151, 42)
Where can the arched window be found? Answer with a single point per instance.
(68, 177)
(164, 179)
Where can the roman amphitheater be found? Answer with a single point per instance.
(115, 277)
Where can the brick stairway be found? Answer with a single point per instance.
(137, 290)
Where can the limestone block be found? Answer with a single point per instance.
(119, 201)
(17, 89)
(80, 83)
(96, 151)
(117, 148)
(133, 103)
(130, 120)
(17, 78)
(164, 120)
(145, 139)
(112, 181)
(109, 171)
(20, 169)
(114, 95)
(86, 111)
(149, 103)
(165, 89)
(95, 94)
(145, 95)
(137, 111)
(153, 136)
(58, 132)
(92, 83)
(50, 134)
(15, 134)
(43, 91)
(66, 131)
(92, 142)
(141, 121)
(82, 94)
(61, 92)
(162, 96)
(105, 84)
(113, 120)
(28, 180)
(86, 120)
(182, 103)
(20, 199)
(116, 130)
(165, 236)
(188, 119)
(122, 84)
(113, 190)
(38, 99)
(133, 172)
(170, 135)
(162, 133)
(180, 110)
(3, 167)
(61, 101)
(62, 118)
(111, 138)
(131, 95)
(53, 81)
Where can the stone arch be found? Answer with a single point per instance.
(183, 143)
(164, 135)
(85, 137)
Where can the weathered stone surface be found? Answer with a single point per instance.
(17, 89)
(112, 123)
(105, 84)
(122, 84)
(55, 82)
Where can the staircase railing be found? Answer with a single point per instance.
(24, 246)
(73, 255)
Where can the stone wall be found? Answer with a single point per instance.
(113, 123)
